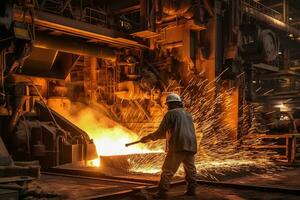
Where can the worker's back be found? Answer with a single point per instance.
(182, 132)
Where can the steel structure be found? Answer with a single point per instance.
(122, 58)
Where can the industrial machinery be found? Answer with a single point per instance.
(124, 57)
(29, 128)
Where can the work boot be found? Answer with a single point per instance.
(190, 192)
(161, 194)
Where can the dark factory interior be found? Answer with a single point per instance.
(150, 99)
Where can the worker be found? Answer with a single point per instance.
(181, 145)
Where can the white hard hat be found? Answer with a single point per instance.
(172, 97)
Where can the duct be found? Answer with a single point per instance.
(272, 21)
(74, 46)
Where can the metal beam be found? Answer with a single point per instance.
(294, 23)
(80, 29)
(266, 67)
(276, 5)
(280, 74)
(66, 4)
(74, 46)
(126, 10)
(270, 20)
(295, 67)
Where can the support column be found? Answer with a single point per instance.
(143, 13)
(94, 65)
(285, 12)
(286, 51)
(218, 36)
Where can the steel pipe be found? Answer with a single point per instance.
(74, 46)
(270, 20)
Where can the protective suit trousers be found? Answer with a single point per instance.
(171, 165)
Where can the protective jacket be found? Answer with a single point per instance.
(178, 129)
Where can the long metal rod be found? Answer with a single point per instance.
(132, 143)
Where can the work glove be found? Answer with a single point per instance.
(145, 139)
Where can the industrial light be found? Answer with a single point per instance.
(284, 118)
(282, 107)
(253, 81)
(279, 52)
(291, 35)
(290, 18)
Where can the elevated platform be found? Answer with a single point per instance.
(93, 33)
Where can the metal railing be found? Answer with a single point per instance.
(288, 143)
(52, 6)
(94, 16)
(88, 14)
(276, 89)
(251, 4)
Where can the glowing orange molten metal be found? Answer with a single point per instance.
(109, 137)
